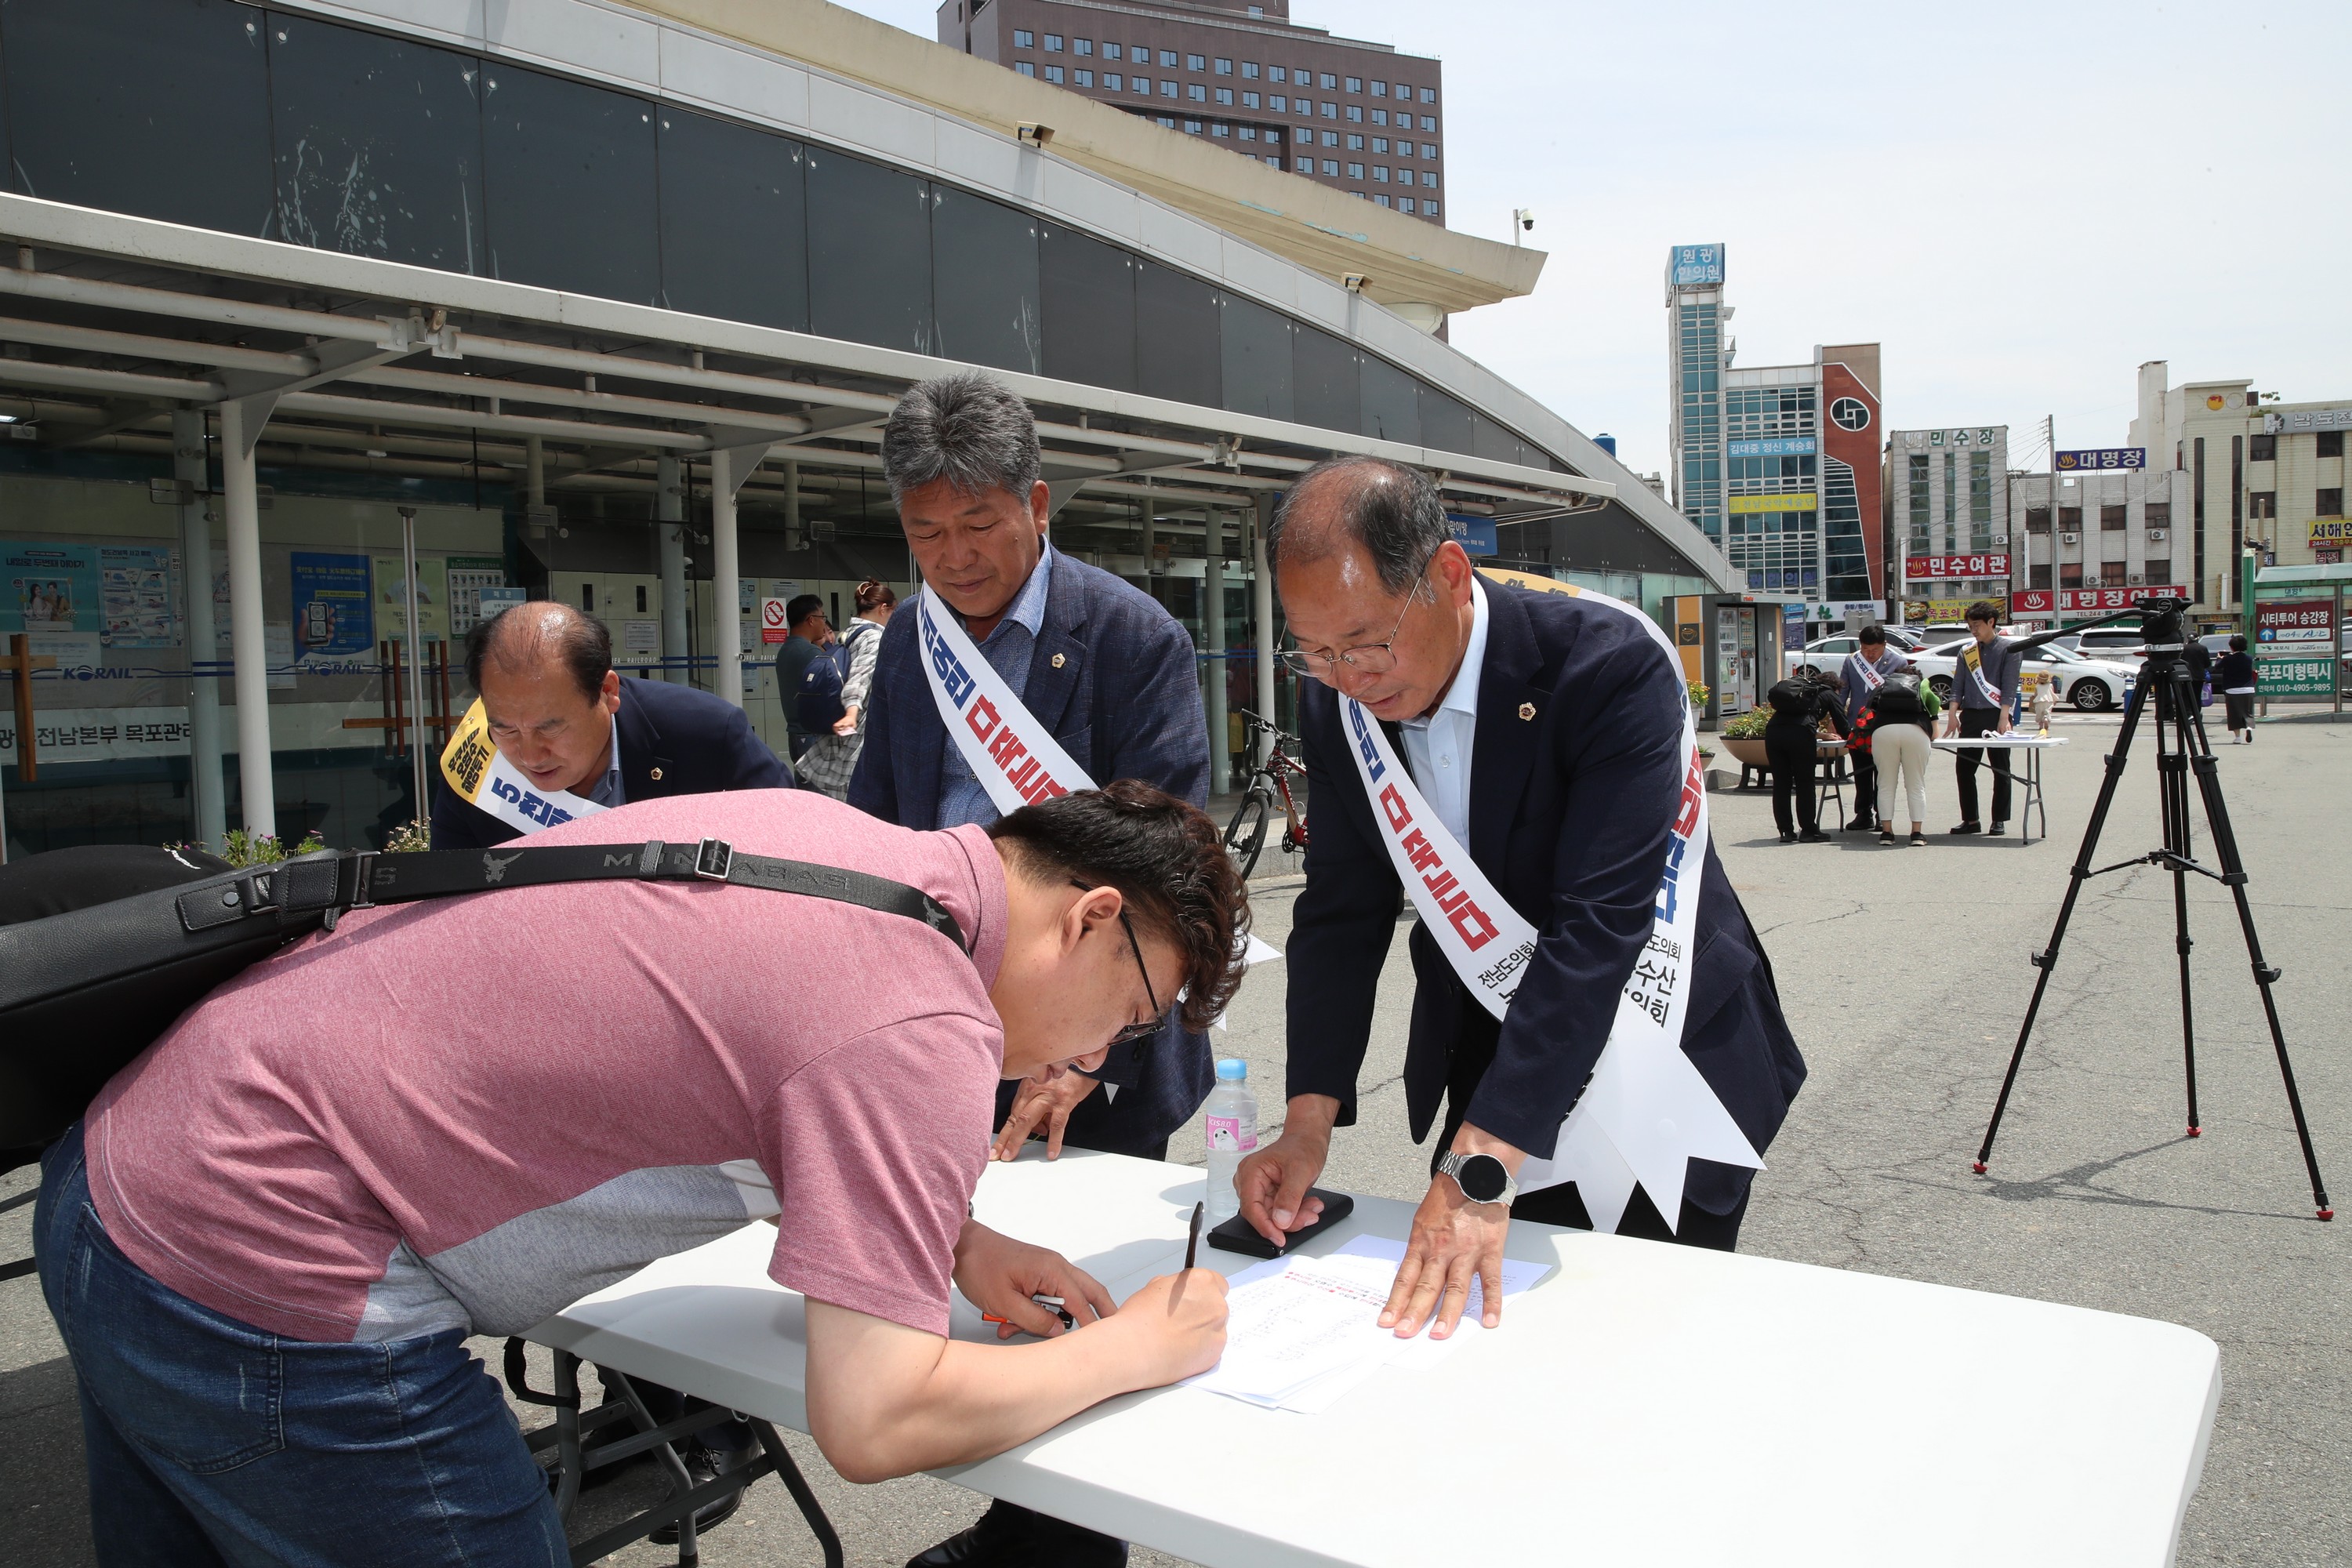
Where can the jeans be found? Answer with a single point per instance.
(213, 1443)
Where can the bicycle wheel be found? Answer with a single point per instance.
(1245, 834)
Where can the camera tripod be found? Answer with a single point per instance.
(2180, 749)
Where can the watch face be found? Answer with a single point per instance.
(1483, 1178)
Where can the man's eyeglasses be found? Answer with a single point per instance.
(1150, 1026)
(1373, 658)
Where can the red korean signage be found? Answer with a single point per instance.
(1926, 568)
(2086, 601)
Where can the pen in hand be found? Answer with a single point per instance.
(1192, 1241)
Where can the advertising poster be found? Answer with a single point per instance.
(100, 734)
(432, 597)
(332, 603)
(2295, 648)
(467, 577)
(48, 587)
(139, 598)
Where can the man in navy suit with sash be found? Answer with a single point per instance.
(1548, 732)
(1077, 655)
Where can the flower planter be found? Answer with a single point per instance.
(1748, 751)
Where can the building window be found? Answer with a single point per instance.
(1429, 151)
(1113, 52)
(1025, 67)
(2156, 514)
(1220, 130)
(1022, 39)
(1404, 204)
(2261, 448)
(1082, 77)
(1382, 198)
(1330, 111)
(1430, 206)
(1355, 171)
(1249, 100)
(2328, 502)
(1278, 103)
(1356, 112)
(2112, 519)
(1329, 81)
(1381, 177)
(1355, 143)
(1249, 70)
(1249, 132)
(1191, 128)
(1195, 63)
(1331, 167)
(1275, 161)
(1167, 120)
(1979, 500)
(1380, 117)
(1113, 81)
(1274, 134)
(1330, 138)
(1916, 487)
(1225, 96)
(2038, 574)
(2111, 574)
(1224, 67)
(1355, 84)
(1428, 178)
(1083, 47)
(1142, 85)
(2330, 444)
(1380, 145)
(1167, 86)
(1428, 95)
(2160, 570)
(1052, 43)
(2037, 518)
(1305, 165)
(2070, 575)
(1168, 60)
(1196, 92)
(2070, 519)
(1405, 93)
(1275, 73)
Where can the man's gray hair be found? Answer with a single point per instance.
(967, 428)
(1389, 509)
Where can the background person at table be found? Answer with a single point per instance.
(1900, 718)
(1977, 711)
(1792, 744)
(2234, 678)
(1547, 732)
(1111, 676)
(1875, 657)
(568, 721)
(804, 643)
(831, 760)
(269, 1239)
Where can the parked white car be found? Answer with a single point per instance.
(2089, 685)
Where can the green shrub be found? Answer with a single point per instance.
(1748, 726)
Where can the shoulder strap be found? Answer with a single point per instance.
(63, 952)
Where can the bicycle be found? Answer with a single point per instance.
(1245, 834)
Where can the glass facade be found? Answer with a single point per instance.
(1698, 365)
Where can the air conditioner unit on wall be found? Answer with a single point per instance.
(2136, 581)
(2156, 536)
(2070, 539)
(2001, 539)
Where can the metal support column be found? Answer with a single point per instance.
(669, 504)
(730, 465)
(241, 427)
(415, 636)
(534, 471)
(207, 795)
(1212, 632)
(1262, 618)
(794, 537)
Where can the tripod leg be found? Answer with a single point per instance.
(2172, 790)
(2233, 874)
(2047, 958)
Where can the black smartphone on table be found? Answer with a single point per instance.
(1237, 1234)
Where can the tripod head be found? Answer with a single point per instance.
(2163, 629)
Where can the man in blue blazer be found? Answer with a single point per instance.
(1111, 676)
(1546, 731)
(556, 707)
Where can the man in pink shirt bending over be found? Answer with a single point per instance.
(267, 1241)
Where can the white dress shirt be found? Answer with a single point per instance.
(1437, 748)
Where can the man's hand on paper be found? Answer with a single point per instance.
(1272, 1182)
(998, 1275)
(1049, 1104)
(1453, 1241)
(1180, 1319)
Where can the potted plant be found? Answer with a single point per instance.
(1744, 737)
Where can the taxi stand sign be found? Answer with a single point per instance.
(2295, 648)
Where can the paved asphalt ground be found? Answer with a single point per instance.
(2095, 1196)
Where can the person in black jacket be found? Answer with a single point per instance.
(1799, 705)
(2233, 678)
(569, 723)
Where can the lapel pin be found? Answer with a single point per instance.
(1058, 662)
(1527, 709)
(657, 773)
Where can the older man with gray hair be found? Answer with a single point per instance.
(1071, 652)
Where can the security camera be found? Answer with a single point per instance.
(1354, 282)
(1035, 135)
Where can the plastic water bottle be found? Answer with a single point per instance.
(1232, 1117)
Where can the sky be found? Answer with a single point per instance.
(2020, 202)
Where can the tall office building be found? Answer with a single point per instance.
(1696, 357)
(1341, 111)
(1948, 503)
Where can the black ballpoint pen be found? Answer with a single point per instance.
(1192, 1242)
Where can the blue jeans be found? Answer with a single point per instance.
(210, 1442)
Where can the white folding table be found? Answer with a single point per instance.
(2016, 743)
(1643, 1405)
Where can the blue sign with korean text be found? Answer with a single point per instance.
(2102, 457)
(1778, 447)
(1694, 266)
(1476, 533)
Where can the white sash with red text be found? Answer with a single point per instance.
(1646, 1112)
(1015, 757)
(1871, 679)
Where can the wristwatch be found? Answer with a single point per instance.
(1482, 1178)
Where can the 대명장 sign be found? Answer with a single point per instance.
(2092, 457)
(1923, 568)
(2087, 601)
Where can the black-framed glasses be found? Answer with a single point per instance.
(1371, 658)
(1145, 1030)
